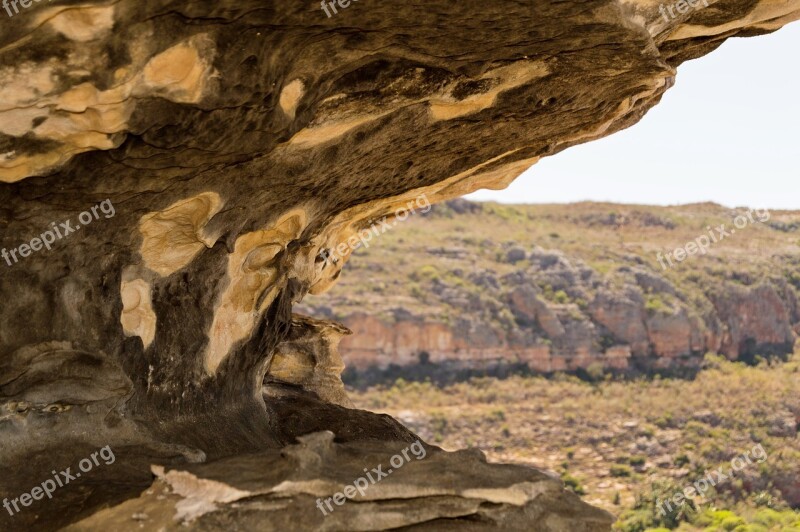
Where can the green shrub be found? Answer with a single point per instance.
(573, 484)
(426, 273)
(681, 460)
(620, 471)
(498, 414)
(595, 371)
(547, 292)
(664, 421)
(650, 513)
(637, 460)
(655, 304)
(715, 520)
(438, 425)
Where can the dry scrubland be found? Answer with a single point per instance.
(458, 238)
(620, 442)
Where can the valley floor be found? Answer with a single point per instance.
(626, 446)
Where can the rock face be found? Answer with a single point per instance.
(578, 320)
(470, 309)
(176, 173)
(758, 319)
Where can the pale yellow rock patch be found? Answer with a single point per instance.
(24, 85)
(505, 78)
(313, 361)
(81, 23)
(179, 72)
(173, 237)
(252, 276)
(82, 117)
(138, 317)
(201, 495)
(441, 106)
(291, 96)
(764, 13)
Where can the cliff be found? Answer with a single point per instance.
(568, 288)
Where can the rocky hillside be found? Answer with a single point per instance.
(576, 287)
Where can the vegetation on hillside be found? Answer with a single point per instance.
(456, 241)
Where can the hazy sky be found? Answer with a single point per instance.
(728, 132)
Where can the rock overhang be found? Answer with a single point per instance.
(239, 143)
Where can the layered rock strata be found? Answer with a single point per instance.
(636, 321)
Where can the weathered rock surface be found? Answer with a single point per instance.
(198, 161)
(286, 489)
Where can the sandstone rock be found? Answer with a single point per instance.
(246, 146)
(285, 489)
(670, 335)
(544, 260)
(652, 282)
(623, 315)
(310, 358)
(757, 321)
(485, 279)
(644, 322)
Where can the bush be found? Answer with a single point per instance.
(498, 414)
(655, 304)
(595, 371)
(650, 513)
(573, 484)
(438, 425)
(620, 471)
(720, 520)
(426, 273)
(561, 297)
(637, 460)
(681, 460)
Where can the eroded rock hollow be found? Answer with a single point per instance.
(177, 174)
